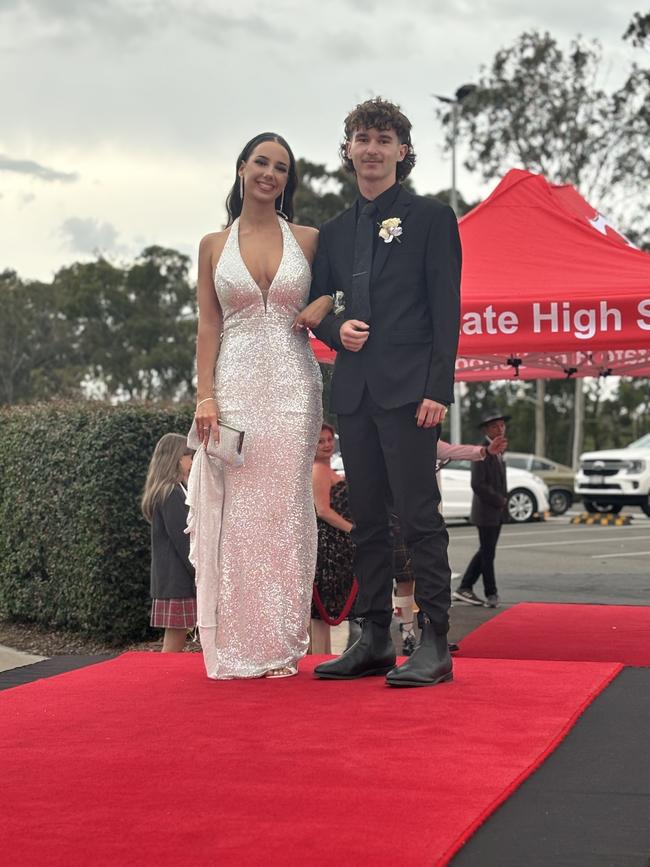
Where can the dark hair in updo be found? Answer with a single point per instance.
(234, 201)
(378, 113)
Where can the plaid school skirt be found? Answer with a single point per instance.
(174, 613)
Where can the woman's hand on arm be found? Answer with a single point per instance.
(314, 313)
(208, 339)
(322, 487)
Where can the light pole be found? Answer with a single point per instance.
(454, 103)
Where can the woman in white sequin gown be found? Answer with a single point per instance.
(253, 529)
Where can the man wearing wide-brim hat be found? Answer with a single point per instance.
(488, 513)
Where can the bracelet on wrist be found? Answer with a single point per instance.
(205, 400)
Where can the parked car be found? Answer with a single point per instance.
(558, 478)
(613, 478)
(527, 493)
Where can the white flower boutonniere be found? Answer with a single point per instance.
(339, 302)
(389, 229)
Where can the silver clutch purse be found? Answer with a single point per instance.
(229, 449)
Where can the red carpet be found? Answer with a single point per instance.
(142, 760)
(585, 633)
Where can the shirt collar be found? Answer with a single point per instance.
(384, 201)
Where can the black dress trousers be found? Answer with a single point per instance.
(390, 465)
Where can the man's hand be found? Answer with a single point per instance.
(354, 334)
(430, 413)
(498, 446)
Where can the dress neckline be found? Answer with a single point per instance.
(265, 298)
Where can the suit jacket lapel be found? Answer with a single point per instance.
(399, 209)
(344, 245)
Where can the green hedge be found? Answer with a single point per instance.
(74, 547)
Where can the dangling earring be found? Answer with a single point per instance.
(241, 188)
(281, 211)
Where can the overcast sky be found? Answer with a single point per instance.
(120, 120)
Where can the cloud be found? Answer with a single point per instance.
(86, 235)
(347, 46)
(36, 170)
(65, 22)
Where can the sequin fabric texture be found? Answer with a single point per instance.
(253, 529)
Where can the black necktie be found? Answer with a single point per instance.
(362, 265)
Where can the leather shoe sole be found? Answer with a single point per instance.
(370, 672)
(445, 678)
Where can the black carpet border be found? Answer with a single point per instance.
(588, 804)
(49, 668)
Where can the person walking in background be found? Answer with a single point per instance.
(396, 257)
(490, 496)
(172, 575)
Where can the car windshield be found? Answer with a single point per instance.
(642, 443)
(516, 461)
(458, 465)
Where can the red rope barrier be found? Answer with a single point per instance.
(349, 602)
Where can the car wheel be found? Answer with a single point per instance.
(607, 508)
(646, 507)
(559, 501)
(522, 505)
(589, 507)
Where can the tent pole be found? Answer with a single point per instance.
(578, 422)
(454, 413)
(540, 417)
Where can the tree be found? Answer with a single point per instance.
(322, 193)
(538, 108)
(35, 343)
(134, 326)
(638, 29)
(100, 330)
(462, 206)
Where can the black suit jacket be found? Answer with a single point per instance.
(490, 490)
(172, 574)
(415, 304)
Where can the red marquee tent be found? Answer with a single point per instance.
(549, 288)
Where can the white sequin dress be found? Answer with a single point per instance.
(253, 529)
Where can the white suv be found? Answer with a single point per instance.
(613, 478)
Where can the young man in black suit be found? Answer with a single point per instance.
(396, 258)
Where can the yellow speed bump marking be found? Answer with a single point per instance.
(602, 519)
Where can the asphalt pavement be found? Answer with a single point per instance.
(556, 561)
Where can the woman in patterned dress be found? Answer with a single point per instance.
(333, 584)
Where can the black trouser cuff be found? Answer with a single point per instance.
(440, 627)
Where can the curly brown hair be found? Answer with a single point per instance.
(379, 113)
